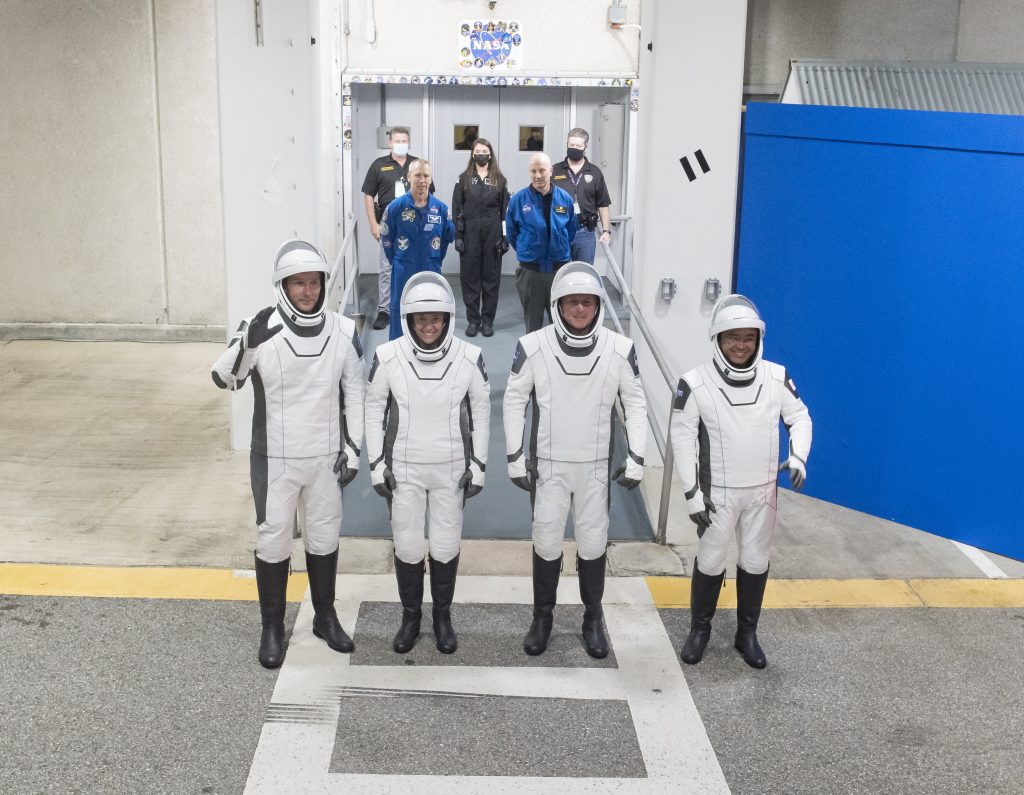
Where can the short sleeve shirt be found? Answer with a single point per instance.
(587, 187)
(382, 176)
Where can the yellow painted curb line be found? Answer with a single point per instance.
(675, 592)
(22, 579)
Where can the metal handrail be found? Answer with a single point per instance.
(353, 283)
(664, 448)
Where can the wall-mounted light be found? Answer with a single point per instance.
(668, 289)
(712, 289)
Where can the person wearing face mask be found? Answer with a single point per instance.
(478, 206)
(306, 367)
(540, 224)
(415, 232)
(584, 181)
(574, 371)
(725, 438)
(427, 428)
(386, 179)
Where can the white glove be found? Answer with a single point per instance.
(797, 471)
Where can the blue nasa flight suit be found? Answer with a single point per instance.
(414, 239)
(528, 229)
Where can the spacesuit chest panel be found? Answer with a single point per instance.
(301, 381)
(575, 395)
(743, 423)
(428, 396)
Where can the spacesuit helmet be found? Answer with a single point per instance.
(734, 312)
(428, 292)
(298, 256)
(572, 279)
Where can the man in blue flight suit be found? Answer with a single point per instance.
(540, 225)
(415, 233)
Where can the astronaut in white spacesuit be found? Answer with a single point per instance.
(725, 438)
(574, 370)
(428, 416)
(307, 375)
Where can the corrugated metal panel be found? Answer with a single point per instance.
(909, 85)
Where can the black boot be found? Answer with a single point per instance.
(545, 592)
(704, 592)
(442, 591)
(591, 577)
(749, 596)
(323, 570)
(410, 591)
(272, 585)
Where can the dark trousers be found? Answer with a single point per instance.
(480, 269)
(534, 290)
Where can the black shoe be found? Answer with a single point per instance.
(487, 330)
(749, 596)
(704, 591)
(410, 591)
(442, 590)
(272, 585)
(471, 330)
(591, 577)
(382, 321)
(323, 571)
(545, 592)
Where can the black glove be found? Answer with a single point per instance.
(258, 333)
(523, 482)
(387, 488)
(466, 483)
(703, 518)
(502, 246)
(345, 473)
(619, 476)
(460, 245)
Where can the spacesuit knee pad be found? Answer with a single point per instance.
(444, 549)
(273, 546)
(711, 558)
(751, 562)
(591, 548)
(547, 545)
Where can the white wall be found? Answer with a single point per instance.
(111, 187)
(558, 38)
(690, 99)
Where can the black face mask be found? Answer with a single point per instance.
(574, 154)
(481, 160)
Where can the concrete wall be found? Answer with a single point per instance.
(558, 38)
(111, 190)
(915, 30)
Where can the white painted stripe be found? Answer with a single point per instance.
(676, 750)
(982, 561)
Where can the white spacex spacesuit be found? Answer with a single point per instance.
(725, 439)
(574, 379)
(428, 415)
(308, 379)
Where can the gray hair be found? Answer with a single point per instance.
(579, 132)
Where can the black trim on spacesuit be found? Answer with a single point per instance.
(696, 483)
(518, 359)
(343, 419)
(259, 414)
(704, 459)
(357, 344)
(373, 368)
(303, 331)
(734, 381)
(466, 428)
(390, 429)
(308, 355)
(260, 480)
(480, 366)
(748, 403)
(568, 350)
(219, 381)
(788, 381)
(683, 393)
(424, 378)
(596, 360)
(631, 358)
(516, 455)
(238, 358)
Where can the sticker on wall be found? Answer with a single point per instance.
(701, 161)
(490, 46)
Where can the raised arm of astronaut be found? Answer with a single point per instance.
(513, 411)
(798, 422)
(480, 411)
(353, 393)
(683, 435)
(377, 393)
(634, 409)
(236, 362)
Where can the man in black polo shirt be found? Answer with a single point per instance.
(385, 180)
(584, 181)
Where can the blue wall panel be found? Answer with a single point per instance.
(885, 250)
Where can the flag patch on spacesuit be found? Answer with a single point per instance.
(633, 362)
(682, 393)
(791, 386)
(403, 243)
